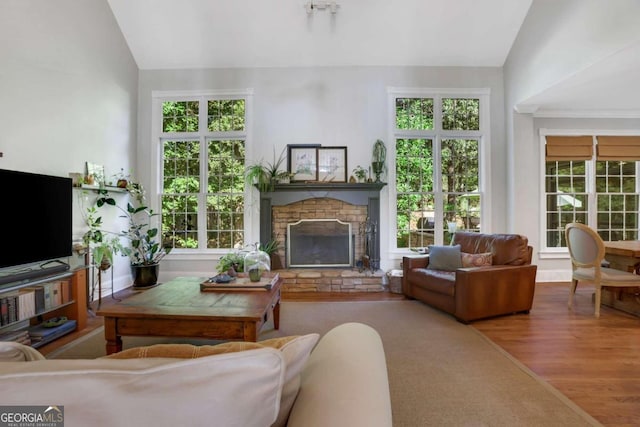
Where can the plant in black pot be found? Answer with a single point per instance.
(145, 250)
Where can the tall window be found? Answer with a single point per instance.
(437, 168)
(592, 180)
(203, 155)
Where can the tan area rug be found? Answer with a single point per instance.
(441, 372)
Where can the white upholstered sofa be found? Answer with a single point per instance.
(342, 383)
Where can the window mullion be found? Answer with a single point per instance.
(437, 170)
(592, 210)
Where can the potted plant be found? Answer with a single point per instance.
(360, 173)
(101, 247)
(122, 179)
(266, 175)
(271, 248)
(232, 262)
(379, 158)
(145, 250)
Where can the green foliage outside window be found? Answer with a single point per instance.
(180, 116)
(417, 198)
(568, 196)
(460, 114)
(183, 192)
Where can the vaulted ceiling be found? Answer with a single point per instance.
(186, 34)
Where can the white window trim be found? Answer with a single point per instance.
(563, 253)
(157, 98)
(483, 136)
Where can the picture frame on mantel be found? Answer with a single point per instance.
(332, 164)
(302, 162)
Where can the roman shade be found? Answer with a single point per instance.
(618, 148)
(562, 148)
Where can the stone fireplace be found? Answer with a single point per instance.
(351, 204)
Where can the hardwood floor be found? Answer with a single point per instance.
(594, 362)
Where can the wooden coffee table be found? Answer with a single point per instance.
(179, 309)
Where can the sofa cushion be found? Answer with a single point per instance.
(446, 258)
(439, 281)
(16, 352)
(295, 349)
(506, 249)
(232, 389)
(476, 260)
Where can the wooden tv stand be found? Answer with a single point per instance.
(74, 308)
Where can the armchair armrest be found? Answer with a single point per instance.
(409, 263)
(414, 262)
(491, 291)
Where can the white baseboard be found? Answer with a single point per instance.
(553, 276)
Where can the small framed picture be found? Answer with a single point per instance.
(303, 162)
(96, 172)
(332, 164)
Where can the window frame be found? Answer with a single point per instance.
(203, 136)
(547, 252)
(437, 134)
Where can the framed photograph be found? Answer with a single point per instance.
(303, 162)
(332, 164)
(97, 172)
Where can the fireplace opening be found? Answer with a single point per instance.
(319, 243)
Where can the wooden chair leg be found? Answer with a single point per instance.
(598, 298)
(572, 291)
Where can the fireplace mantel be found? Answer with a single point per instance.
(357, 194)
(364, 194)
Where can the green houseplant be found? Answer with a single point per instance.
(144, 250)
(266, 175)
(102, 248)
(379, 158)
(360, 173)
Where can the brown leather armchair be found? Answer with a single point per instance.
(505, 287)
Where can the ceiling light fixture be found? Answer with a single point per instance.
(321, 5)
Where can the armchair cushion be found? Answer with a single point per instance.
(445, 258)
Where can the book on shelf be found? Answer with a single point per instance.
(38, 296)
(41, 335)
(20, 336)
(4, 311)
(241, 284)
(26, 304)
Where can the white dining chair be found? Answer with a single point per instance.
(586, 250)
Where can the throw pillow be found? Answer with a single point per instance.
(295, 350)
(445, 258)
(477, 260)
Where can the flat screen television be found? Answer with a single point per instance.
(36, 218)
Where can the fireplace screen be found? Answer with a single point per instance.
(319, 243)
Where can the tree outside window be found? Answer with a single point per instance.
(203, 182)
(437, 169)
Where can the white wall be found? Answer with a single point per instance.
(330, 106)
(556, 41)
(68, 92)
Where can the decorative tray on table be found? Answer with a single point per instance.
(223, 282)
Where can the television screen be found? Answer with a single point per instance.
(36, 217)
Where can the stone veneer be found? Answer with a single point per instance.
(331, 280)
(320, 208)
(325, 279)
(320, 200)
